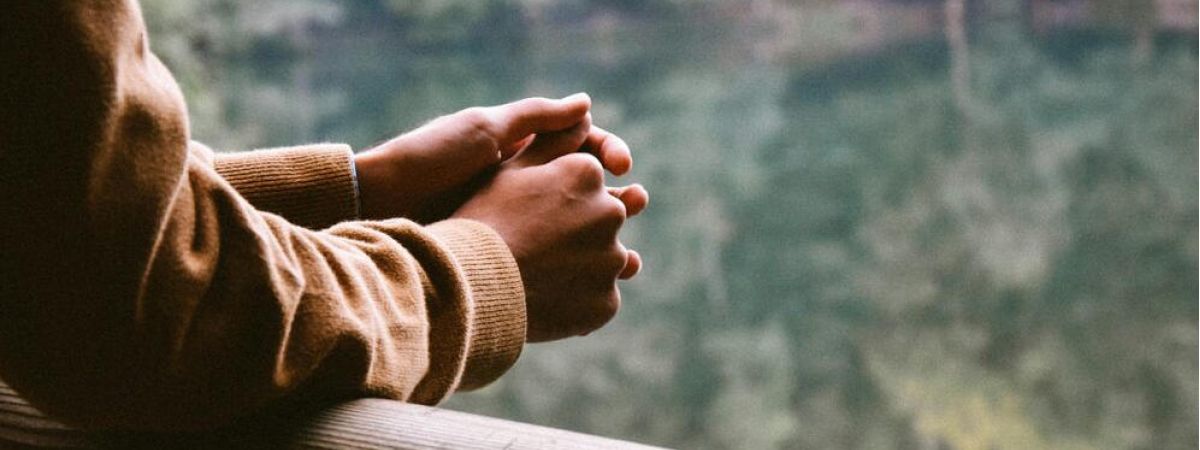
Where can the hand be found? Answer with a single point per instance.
(551, 207)
(426, 174)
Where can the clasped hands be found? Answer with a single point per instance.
(533, 170)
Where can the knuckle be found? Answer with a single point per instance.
(535, 103)
(613, 211)
(475, 116)
(605, 309)
(617, 259)
(479, 126)
(583, 166)
(611, 306)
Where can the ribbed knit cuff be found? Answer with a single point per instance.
(497, 297)
(311, 185)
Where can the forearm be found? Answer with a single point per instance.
(314, 185)
(139, 289)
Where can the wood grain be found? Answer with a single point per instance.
(364, 423)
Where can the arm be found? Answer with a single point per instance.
(423, 175)
(310, 185)
(139, 290)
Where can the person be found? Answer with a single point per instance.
(150, 283)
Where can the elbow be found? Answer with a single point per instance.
(89, 402)
(102, 387)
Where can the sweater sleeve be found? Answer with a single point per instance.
(140, 290)
(310, 185)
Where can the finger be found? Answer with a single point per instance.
(517, 120)
(512, 149)
(633, 196)
(613, 152)
(548, 146)
(633, 265)
(602, 310)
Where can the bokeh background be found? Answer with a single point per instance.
(958, 224)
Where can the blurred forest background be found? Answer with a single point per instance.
(958, 224)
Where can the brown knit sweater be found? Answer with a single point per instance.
(146, 283)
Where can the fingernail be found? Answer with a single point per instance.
(576, 97)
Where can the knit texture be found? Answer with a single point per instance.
(498, 295)
(148, 284)
(311, 185)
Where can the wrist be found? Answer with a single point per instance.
(372, 169)
(381, 194)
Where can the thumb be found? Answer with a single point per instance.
(520, 119)
(548, 146)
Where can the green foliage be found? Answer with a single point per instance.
(848, 246)
(206, 44)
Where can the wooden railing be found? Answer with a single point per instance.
(365, 423)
